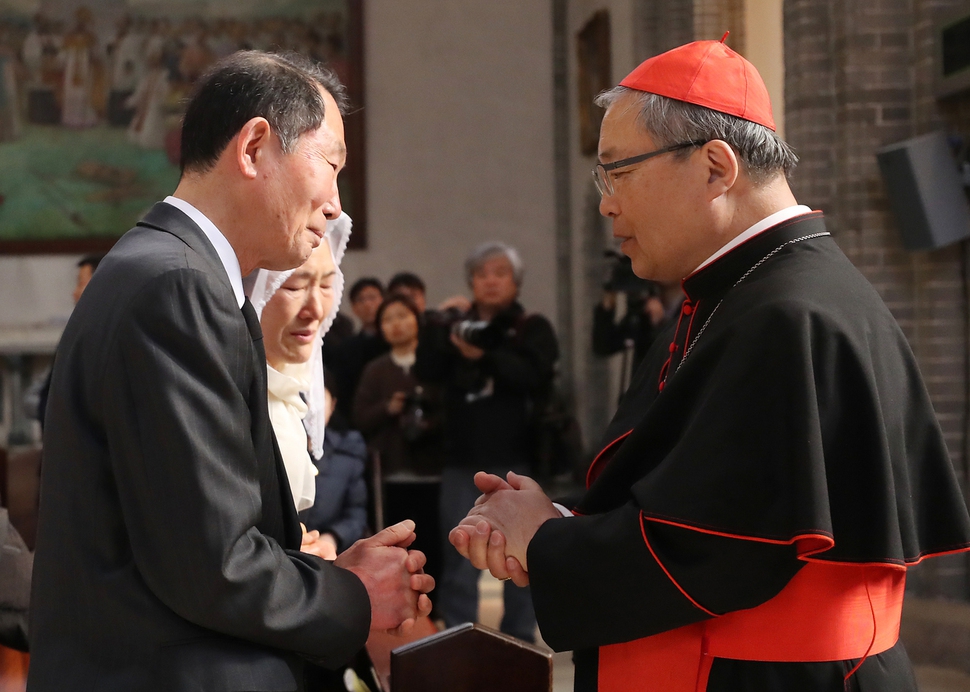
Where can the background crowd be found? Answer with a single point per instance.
(438, 394)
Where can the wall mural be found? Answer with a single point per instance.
(92, 94)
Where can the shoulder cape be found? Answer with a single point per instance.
(798, 417)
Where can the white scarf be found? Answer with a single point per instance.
(286, 412)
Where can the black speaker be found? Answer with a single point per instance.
(925, 191)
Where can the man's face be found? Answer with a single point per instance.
(415, 294)
(365, 305)
(84, 273)
(657, 206)
(301, 191)
(493, 284)
(292, 317)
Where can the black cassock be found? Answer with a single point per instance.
(796, 430)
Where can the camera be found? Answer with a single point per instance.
(414, 421)
(480, 333)
(622, 279)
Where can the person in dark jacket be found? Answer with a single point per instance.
(400, 417)
(347, 357)
(496, 364)
(168, 546)
(340, 508)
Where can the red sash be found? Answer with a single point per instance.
(828, 612)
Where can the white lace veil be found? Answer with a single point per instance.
(268, 282)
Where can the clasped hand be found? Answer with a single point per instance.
(393, 576)
(497, 531)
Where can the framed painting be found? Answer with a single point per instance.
(593, 54)
(92, 94)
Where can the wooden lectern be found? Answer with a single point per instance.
(470, 658)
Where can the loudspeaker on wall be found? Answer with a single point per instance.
(925, 191)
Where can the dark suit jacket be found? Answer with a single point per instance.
(168, 545)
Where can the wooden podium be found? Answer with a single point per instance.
(470, 658)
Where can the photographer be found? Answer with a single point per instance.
(496, 364)
(649, 307)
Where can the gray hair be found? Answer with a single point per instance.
(486, 251)
(762, 153)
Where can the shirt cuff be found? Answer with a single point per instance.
(562, 510)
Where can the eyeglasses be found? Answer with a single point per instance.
(601, 173)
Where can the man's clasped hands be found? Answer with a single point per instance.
(494, 536)
(497, 531)
(393, 575)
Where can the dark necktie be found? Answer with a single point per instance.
(252, 321)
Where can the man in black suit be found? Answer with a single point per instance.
(168, 549)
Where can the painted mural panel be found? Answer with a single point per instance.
(92, 94)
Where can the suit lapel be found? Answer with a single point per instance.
(169, 219)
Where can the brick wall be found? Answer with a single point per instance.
(662, 25)
(860, 76)
(713, 17)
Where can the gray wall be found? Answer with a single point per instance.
(36, 289)
(459, 137)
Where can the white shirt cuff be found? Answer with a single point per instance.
(562, 510)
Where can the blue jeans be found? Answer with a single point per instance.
(457, 590)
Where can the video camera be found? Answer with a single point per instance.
(638, 292)
(622, 279)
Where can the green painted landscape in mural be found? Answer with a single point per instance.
(60, 183)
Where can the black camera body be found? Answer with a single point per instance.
(481, 333)
(622, 279)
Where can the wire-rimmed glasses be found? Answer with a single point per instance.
(601, 172)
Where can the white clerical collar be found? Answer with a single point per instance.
(760, 227)
(222, 247)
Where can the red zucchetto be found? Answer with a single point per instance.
(709, 74)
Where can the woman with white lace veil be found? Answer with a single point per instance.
(296, 308)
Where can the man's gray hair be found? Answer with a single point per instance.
(486, 251)
(762, 153)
